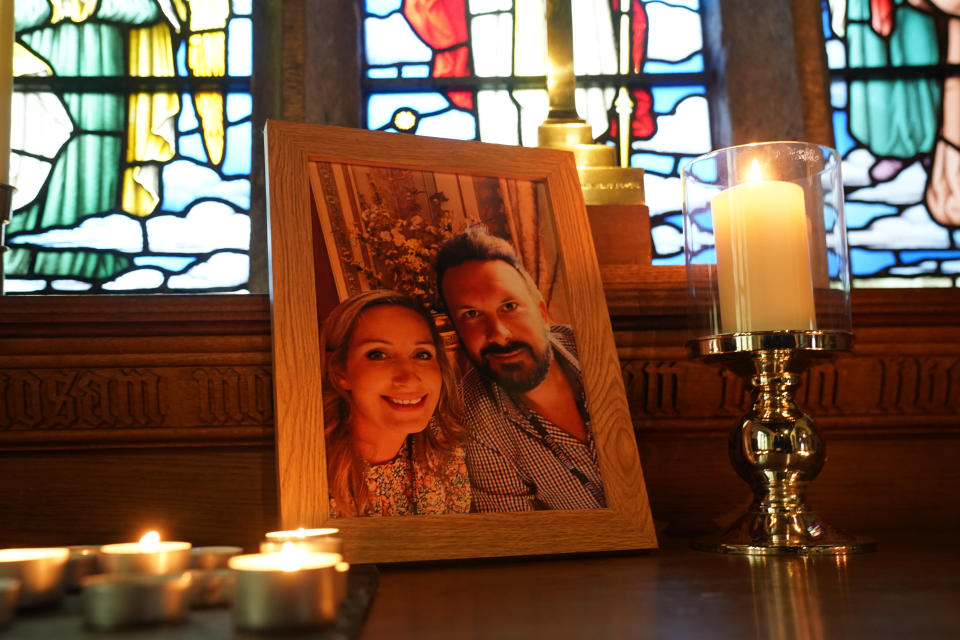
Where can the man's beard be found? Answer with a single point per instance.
(516, 377)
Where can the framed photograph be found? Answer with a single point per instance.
(543, 459)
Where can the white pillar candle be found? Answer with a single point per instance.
(763, 258)
(6, 86)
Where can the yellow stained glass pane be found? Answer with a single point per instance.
(151, 132)
(141, 192)
(151, 52)
(76, 10)
(210, 109)
(209, 14)
(207, 54)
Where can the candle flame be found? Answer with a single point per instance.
(150, 541)
(290, 557)
(755, 174)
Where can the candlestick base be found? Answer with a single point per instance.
(776, 447)
(6, 203)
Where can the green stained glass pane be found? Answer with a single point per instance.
(83, 264)
(79, 186)
(96, 111)
(16, 261)
(31, 13)
(59, 46)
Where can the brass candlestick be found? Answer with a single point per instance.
(602, 181)
(766, 254)
(776, 447)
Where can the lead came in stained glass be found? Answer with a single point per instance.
(499, 46)
(126, 187)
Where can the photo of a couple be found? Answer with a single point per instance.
(407, 434)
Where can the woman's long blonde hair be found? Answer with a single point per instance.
(345, 468)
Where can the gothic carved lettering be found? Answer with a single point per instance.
(79, 399)
(232, 396)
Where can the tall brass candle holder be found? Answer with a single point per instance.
(766, 255)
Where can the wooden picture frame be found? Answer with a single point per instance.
(303, 290)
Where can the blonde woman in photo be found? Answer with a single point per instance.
(394, 441)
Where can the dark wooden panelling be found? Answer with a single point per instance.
(208, 496)
(143, 411)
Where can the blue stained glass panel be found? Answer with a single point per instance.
(236, 161)
(415, 71)
(169, 263)
(382, 7)
(240, 51)
(693, 64)
(239, 106)
(191, 146)
(243, 7)
(182, 70)
(658, 163)
(183, 179)
(911, 257)
(453, 124)
(382, 72)
(867, 262)
(860, 214)
(391, 40)
(382, 106)
(188, 120)
(665, 99)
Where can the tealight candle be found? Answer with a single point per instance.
(323, 540)
(150, 556)
(285, 590)
(112, 601)
(212, 587)
(212, 557)
(9, 594)
(81, 562)
(40, 572)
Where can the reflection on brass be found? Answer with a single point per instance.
(776, 447)
(603, 182)
(40, 572)
(6, 202)
(112, 601)
(9, 594)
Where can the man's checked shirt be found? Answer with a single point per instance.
(516, 466)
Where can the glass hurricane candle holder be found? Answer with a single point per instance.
(768, 277)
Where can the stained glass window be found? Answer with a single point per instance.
(895, 95)
(131, 142)
(474, 70)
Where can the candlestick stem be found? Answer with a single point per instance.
(776, 447)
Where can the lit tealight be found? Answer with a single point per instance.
(150, 556)
(39, 570)
(288, 589)
(323, 540)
